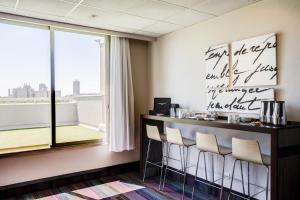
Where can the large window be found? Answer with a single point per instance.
(28, 74)
(80, 93)
(24, 88)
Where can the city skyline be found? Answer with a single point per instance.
(27, 91)
(26, 59)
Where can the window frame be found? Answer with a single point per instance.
(53, 99)
(80, 30)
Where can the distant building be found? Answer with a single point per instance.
(76, 88)
(57, 93)
(43, 87)
(23, 92)
(28, 92)
(42, 92)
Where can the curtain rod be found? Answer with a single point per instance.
(64, 25)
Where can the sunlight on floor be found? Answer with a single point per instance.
(106, 190)
(95, 192)
(40, 138)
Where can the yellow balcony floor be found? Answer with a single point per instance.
(40, 138)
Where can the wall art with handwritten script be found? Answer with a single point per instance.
(254, 61)
(217, 66)
(241, 100)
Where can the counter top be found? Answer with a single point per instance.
(269, 129)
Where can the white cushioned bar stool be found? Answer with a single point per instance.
(174, 137)
(153, 134)
(208, 143)
(249, 152)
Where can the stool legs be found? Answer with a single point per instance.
(196, 174)
(185, 168)
(184, 163)
(248, 170)
(167, 163)
(204, 159)
(181, 151)
(162, 164)
(146, 162)
(223, 171)
(232, 179)
(267, 188)
(241, 166)
(242, 174)
(212, 167)
(248, 166)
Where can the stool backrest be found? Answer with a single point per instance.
(207, 142)
(174, 136)
(153, 133)
(247, 150)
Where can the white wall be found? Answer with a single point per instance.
(177, 67)
(177, 60)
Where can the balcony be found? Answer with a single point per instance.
(26, 127)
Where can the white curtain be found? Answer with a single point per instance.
(121, 123)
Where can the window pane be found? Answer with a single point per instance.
(24, 92)
(79, 71)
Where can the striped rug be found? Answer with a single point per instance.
(121, 187)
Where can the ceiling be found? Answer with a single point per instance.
(144, 17)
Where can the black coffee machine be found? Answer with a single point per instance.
(161, 106)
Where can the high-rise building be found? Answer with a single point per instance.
(43, 87)
(43, 91)
(76, 87)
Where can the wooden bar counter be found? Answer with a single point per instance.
(285, 150)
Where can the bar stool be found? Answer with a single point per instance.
(153, 134)
(174, 137)
(249, 151)
(208, 143)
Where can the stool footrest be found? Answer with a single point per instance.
(172, 158)
(180, 161)
(253, 195)
(157, 164)
(213, 184)
(176, 171)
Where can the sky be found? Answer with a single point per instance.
(25, 58)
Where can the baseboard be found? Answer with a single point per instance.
(19, 189)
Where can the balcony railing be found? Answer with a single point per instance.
(82, 119)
